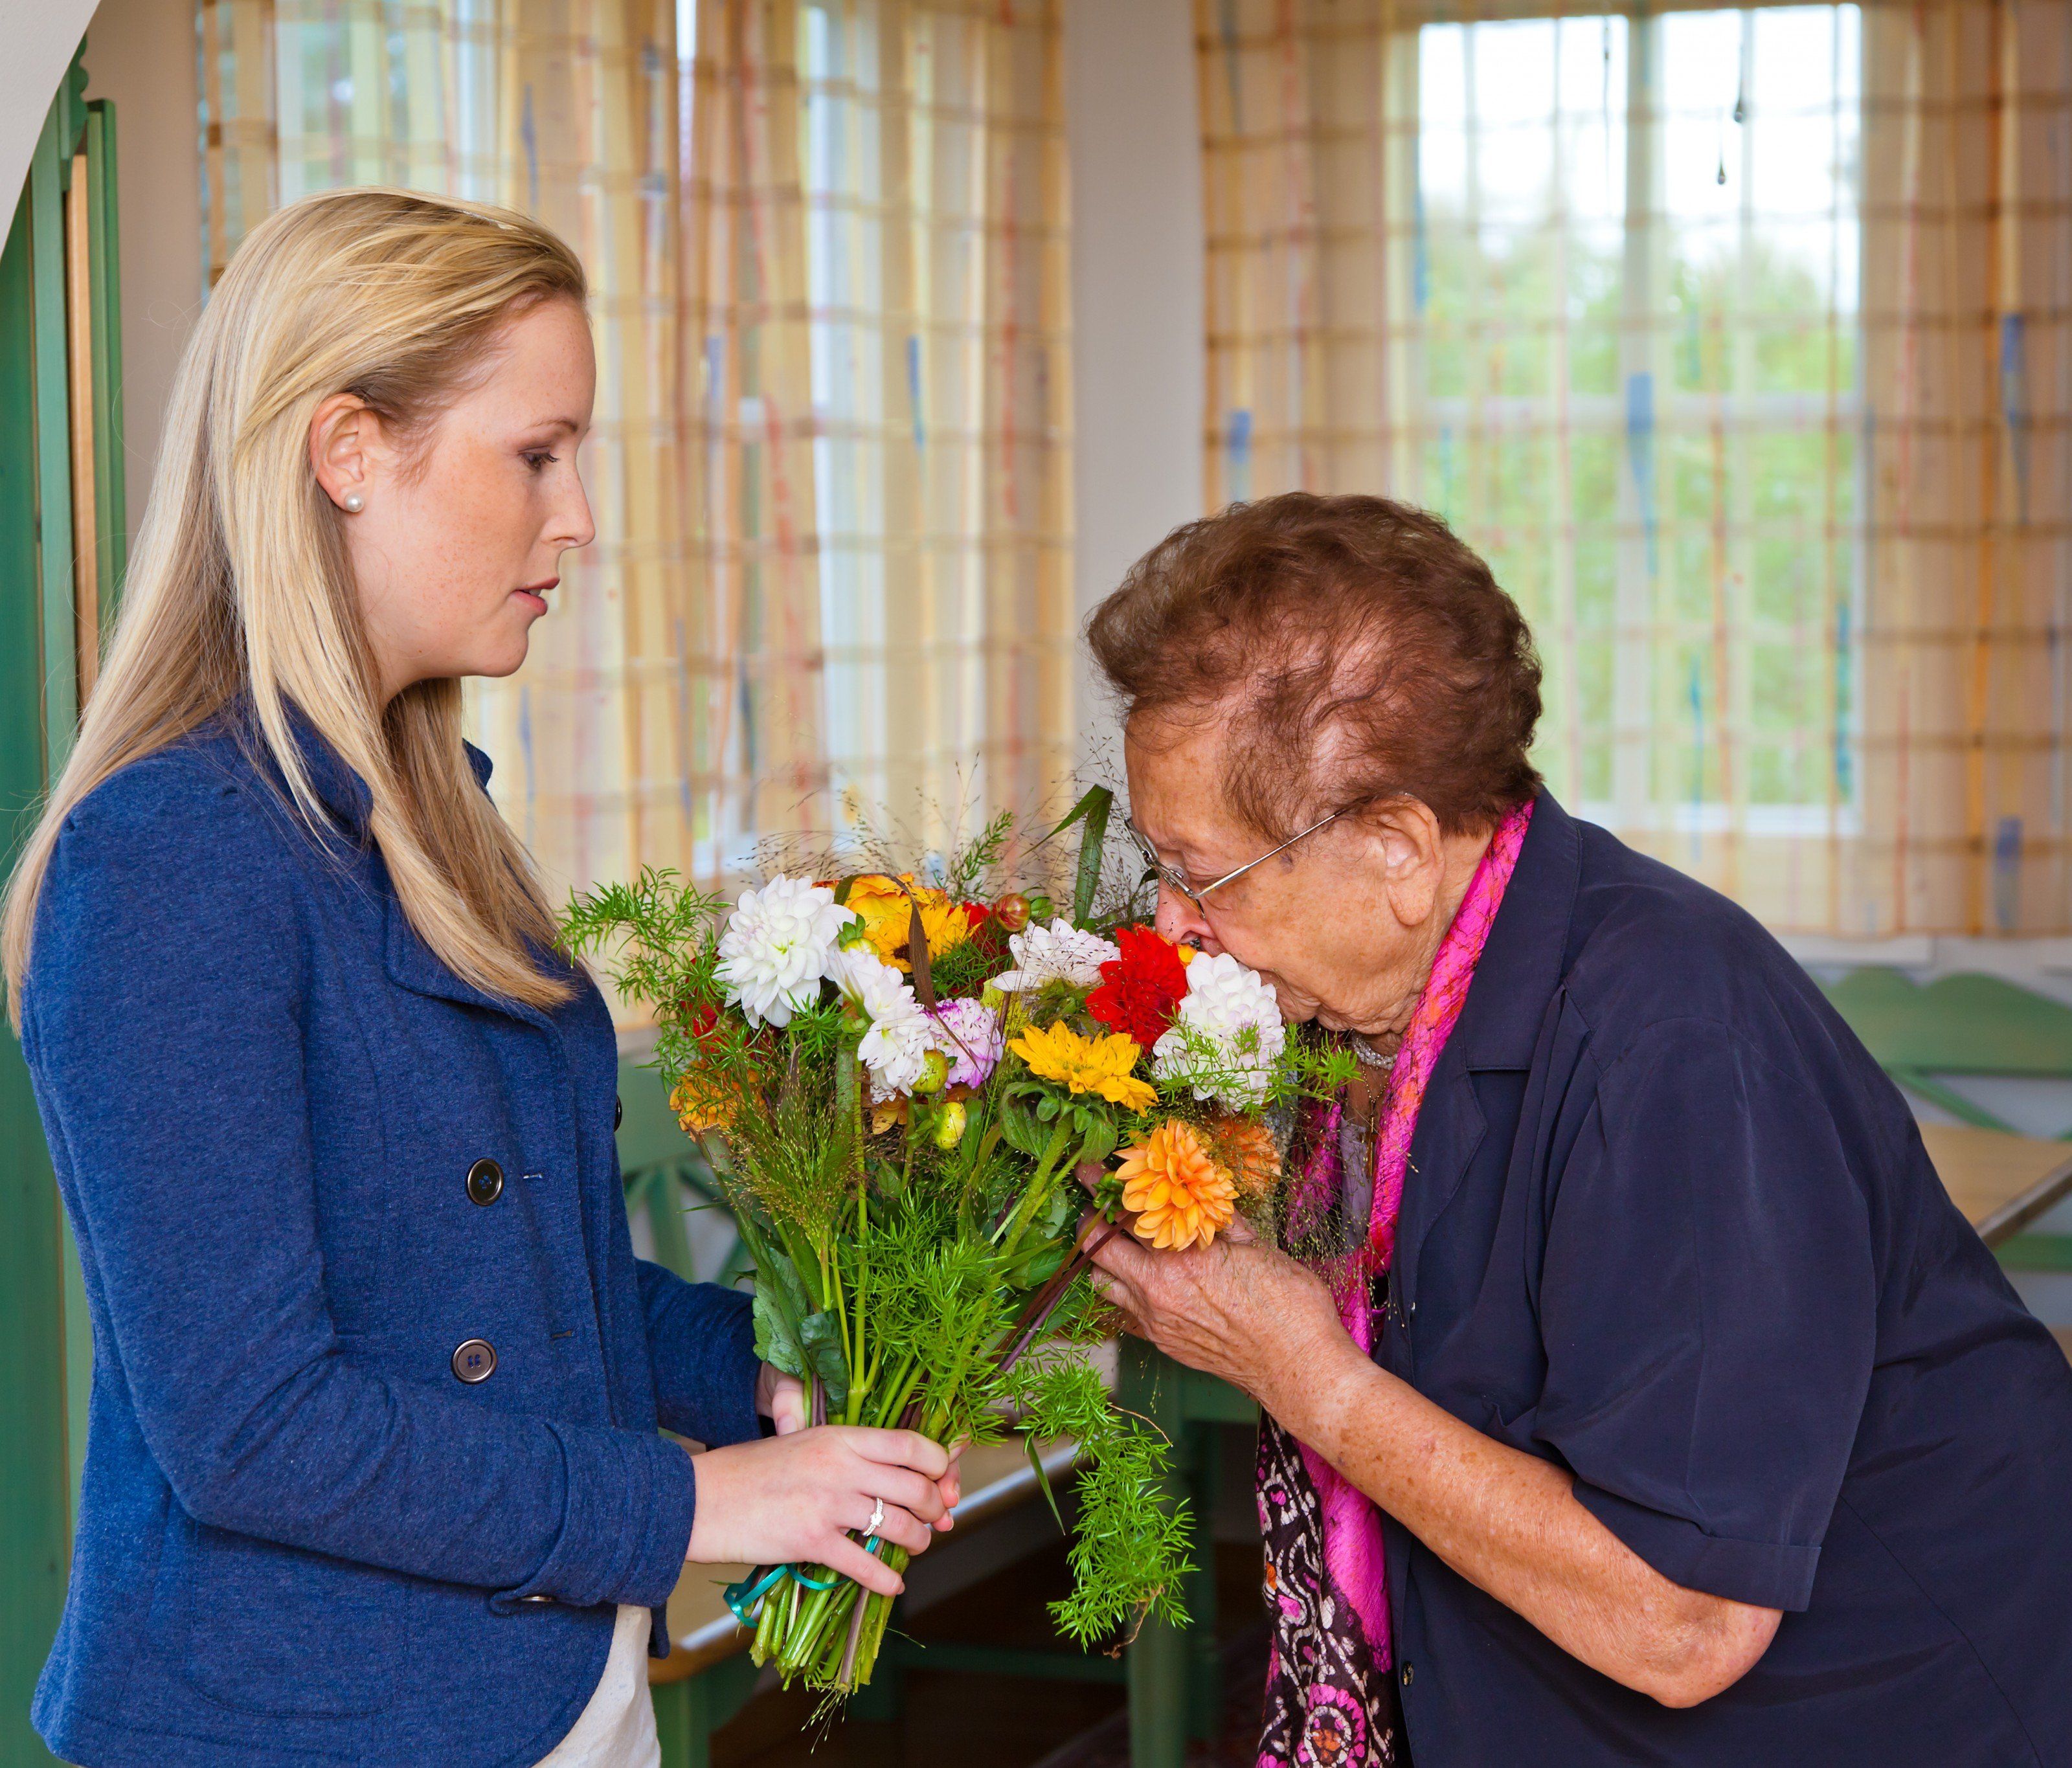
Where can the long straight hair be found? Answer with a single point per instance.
(240, 590)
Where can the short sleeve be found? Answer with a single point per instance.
(1708, 1310)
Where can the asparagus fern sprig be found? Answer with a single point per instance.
(1129, 1551)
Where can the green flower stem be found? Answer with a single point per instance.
(820, 1648)
(845, 1672)
(860, 1388)
(769, 1623)
(1039, 1186)
(877, 1616)
(901, 1394)
(851, 1076)
(901, 1379)
(1029, 1328)
(804, 1632)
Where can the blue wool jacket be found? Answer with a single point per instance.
(373, 1452)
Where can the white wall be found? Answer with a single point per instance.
(37, 38)
(140, 54)
(1133, 126)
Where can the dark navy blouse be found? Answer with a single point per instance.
(1668, 1226)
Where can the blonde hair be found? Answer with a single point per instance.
(240, 589)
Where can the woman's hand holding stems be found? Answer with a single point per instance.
(798, 1496)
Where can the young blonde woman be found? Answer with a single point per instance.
(373, 1474)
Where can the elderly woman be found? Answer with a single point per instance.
(1698, 1425)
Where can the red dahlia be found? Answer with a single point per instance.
(1140, 990)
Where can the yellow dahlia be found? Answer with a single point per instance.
(1094, 1065)
(1181, 1197)
(1246, 1147)
(885, 907)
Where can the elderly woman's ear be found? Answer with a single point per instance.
(1409, 850)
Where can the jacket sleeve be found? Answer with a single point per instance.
(702, 1345)
(165, 1008)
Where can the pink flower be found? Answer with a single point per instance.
(970, 1035)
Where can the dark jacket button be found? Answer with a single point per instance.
(475, 1361)
(485, 1182)
(618, 1114)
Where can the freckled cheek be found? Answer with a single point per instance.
(489, 536)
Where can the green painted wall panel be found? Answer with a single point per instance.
(34, 1483)
(51, 449)
(111, 493)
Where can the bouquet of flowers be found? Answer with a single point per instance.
(896, 1078)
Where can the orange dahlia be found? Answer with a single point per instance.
(1246, 1147)
(1180, 1195)
(702, 1101)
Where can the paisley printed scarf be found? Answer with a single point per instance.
(1330, 1696)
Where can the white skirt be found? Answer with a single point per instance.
(617, 1728)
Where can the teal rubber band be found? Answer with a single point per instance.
(745, 1597)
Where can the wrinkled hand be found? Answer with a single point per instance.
(1238, 1308)
(797, 1497)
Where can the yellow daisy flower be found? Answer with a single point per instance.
(886, 909)
(1094, 1065)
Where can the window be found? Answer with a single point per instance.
(1636, 313)
(826, 241)
(932, 178)
(1738, 340)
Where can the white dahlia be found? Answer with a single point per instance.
(900, 1036)
(1059, 952)
(778, 944)
(1226, 1035)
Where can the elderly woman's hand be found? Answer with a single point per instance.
(1237, 1308)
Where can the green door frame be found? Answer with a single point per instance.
(45, 1377)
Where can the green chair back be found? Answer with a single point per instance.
(657, 1164)
(1959, 1025)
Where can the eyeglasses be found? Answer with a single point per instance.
(1175, 879)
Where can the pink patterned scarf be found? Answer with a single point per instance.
(1329, 1693)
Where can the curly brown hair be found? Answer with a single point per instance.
(1358, 649)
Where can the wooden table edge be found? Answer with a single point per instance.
(2016, 1213)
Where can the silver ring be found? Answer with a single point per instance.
(877, 1521)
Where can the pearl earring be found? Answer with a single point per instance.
(354, 503)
